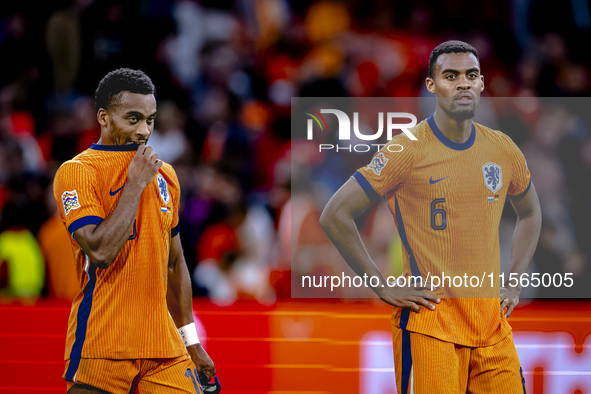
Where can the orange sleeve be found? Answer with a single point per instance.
(74, 189)
(175, 194)
(388, 168)
(520, 176)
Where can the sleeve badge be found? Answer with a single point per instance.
(163, 188)
(493, 176)
(70, 201)
(378, 163)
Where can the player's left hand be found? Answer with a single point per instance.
(509, 299)
(201, 360)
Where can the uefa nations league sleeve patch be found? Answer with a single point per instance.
(70, 201)
(378, 163)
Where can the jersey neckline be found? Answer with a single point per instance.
(116, 148)
(449, 143)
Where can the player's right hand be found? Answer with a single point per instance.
(143, 167)
(202, 361)
(408, 297)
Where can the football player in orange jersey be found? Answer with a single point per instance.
(446, 191)
(131, 326)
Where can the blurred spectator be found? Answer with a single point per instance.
(168, 137)
(21, 264)
(63, 39)
(233, 252)
(22, 273)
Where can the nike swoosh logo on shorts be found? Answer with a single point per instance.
(432, 182)
(112, 193)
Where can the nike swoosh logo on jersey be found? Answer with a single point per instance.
(432, 182)
(112, 193)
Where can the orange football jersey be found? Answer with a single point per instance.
(121, 311)
(447, 199)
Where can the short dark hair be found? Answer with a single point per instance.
(121, 80)
(452, 46)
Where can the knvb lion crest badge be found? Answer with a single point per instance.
(163, 187)
(493, 176)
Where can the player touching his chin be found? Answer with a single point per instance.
(131, 325)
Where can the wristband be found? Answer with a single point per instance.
(189, 335)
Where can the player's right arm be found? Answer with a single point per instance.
(337, 220)
(103, 242)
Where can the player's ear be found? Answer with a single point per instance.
(430, 85)
(102, 117)
(482, 83)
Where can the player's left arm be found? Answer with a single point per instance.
(180, 306)
(523, 244)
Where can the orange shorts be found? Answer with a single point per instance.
(426, 365)
(163, 375)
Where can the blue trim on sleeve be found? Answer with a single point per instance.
(82, 321)
(520, 195)
(174, 231)
(83, 222)
(449, 143)
(116, 148)
(367, 188)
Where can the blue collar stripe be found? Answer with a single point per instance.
(449, 143)
(116, 148)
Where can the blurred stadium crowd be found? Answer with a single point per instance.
(225, 72)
